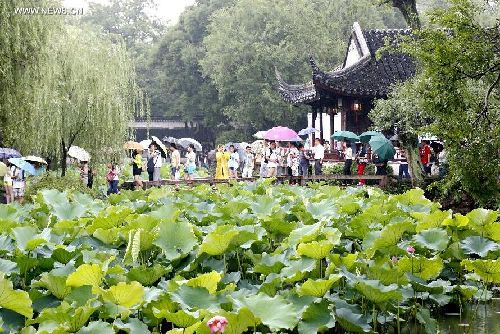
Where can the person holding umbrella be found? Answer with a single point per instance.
(361, 161)
(7, 183)
(137, 169)
(347, 158)
(319, 155)
(18, 183)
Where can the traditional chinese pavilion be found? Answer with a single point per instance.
(342, 98)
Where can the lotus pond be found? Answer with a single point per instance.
(270, 259)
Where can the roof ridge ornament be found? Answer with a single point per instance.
(314, 65)
(356, 31)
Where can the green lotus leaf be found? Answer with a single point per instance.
(435, 239)
(482, 217)
(377, 292)
(15, 300)
(389, 236)
(424, 317)
(467, 291)
(179, 318)
(62, 255)
(217, 242)
(458, 220)
(97, 327)
(80, 296)
(277, 224)
(493, 231)
(387, 275)
(478, 245)
(167, 213)
(297, 269)
(315, 249)
(239, 322)
(208, 281)
(352, 321)
(176, 239)
(318, 317)
(247, 235)
(123, 294)
(147, 276)
(52, 197)
(68, 211)
(86, 274)
(274, 312)
(109, 236)
(319, 287)
(55, 284)
(488, 270)
(430, 220)
(421, 267)
(305, 233)
(264, 207)
(112, 216)
(132, 326)
(268, 264)
(324, 210)
(8, 267)
(192, 299)
(27, 237)
(347, 260)
(66, 316)
(434, 287)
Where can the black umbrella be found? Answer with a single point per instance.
(437, 146)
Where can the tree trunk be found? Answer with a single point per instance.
(64, 155)
(409, 10)
(413, 159)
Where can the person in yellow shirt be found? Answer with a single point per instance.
(137, 169)
(222, 158)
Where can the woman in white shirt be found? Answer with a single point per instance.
(234, 162)
(348, 159)
(7, 182)
(190, 163)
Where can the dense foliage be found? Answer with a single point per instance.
(64, 86)
(268, 258)
(455, 96)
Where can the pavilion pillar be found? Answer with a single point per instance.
(314, 116)
(332, 125)
(321, 123)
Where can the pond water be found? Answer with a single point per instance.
(485, 321)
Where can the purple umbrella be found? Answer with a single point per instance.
(7, 153)
(281, 133)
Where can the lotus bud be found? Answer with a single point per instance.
(217, 324)
(410, 249)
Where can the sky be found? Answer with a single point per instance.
(168, 10)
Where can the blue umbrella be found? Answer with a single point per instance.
(23, 165)
(7, 153)
(307, 131)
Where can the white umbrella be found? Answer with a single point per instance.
(184, 142)
(260, 134)
(162, 147)
(78, 153)
(32, 158)
(145, 143)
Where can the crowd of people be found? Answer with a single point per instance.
(270, 159)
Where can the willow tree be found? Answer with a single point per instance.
(21, 38)
(87, 97)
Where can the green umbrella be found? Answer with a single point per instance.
(366, 136)
(345, 135)
(3, 169)
(382, 147)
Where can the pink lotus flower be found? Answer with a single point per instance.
(217, 324)
(394, 259)
(410, 249)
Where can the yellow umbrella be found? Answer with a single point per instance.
(132, 145)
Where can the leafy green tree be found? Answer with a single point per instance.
(246, 42)
(20, 38)
(409, 10)
(178, 87)
(455, 96)
(86, 98)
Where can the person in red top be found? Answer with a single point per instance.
(425, 156)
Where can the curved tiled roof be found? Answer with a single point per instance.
(369, 76)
